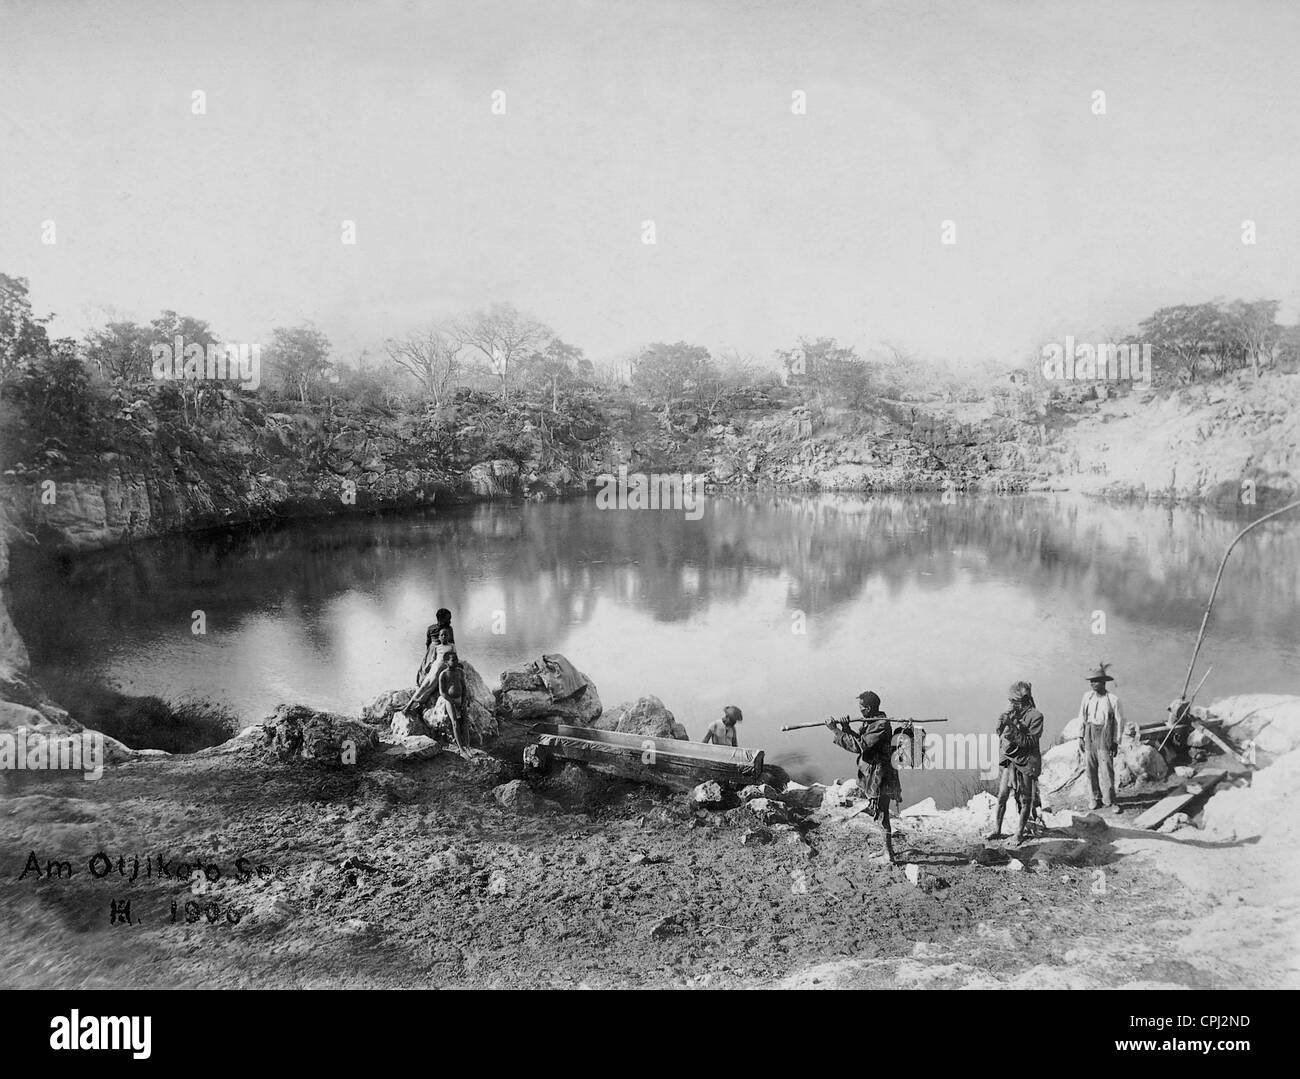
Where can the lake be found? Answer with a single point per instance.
(785, 605)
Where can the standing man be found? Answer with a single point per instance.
(877, 777)
(723, 732)
(1020, 728)
(1100, 721)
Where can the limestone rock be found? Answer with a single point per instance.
(575, 785)
(924, 808)
(795, 794)
(524, 698)
(517, 797)
(758, 790)
(708, 795)
(645, 715)
(296, 732)
(480, 711)
(766, 811)
(1136, 763)
(492, 479)
(1271, 721)
(1174, 822)
(412, 748)
(404, 725)
(1089, 822)
(843, 792)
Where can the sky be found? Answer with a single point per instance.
(768, 224)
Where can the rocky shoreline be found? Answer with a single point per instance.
(374, 857)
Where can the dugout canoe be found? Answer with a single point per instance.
(667, 762)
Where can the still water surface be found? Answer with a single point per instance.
(935, 607)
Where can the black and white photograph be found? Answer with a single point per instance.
(651, 495)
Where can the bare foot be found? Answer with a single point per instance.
(994, 835)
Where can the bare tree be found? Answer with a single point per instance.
(504, 335)
(432, 355)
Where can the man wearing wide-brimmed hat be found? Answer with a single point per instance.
(1100, 721)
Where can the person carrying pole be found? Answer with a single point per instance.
(878, 779)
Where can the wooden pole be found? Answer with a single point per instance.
(1205, 619)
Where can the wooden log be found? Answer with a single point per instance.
(1171, 804)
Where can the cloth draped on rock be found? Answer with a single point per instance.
(877, 777)
(560, 677)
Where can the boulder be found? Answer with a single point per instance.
(766, 811)
(843, 792)
(480, 712)
(524, 698)
(517, 797)
(795, 794)
(404, 725)
(707, 795)
(1138, 763)
(575, 785)
(1271, 721)
(491, 479)
(646, 716)
(380, 711)
(1268, 808)
(1173, 822)
(296, 732)
(1061, 773)
(413, 748)
(1088, 822)
(758, 790)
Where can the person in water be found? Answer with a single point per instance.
(1020, 728)
(877, 777)
(723, 732)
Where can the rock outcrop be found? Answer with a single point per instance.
(524, 697)
(299, 733)
(1063, 774)
(480, 712)
(645, 715)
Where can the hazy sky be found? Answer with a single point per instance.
(768, 224)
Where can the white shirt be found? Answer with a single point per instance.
(1097, 710)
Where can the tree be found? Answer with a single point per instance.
(1255, 330)
(558, 365)
(504, 335)
(666, 373)
(828, 371)
(1182, 335)
(121, 350)
(56, 391)
(300, 356)
(432, 356)
(185, 331)
(718, 381)
(23, 339)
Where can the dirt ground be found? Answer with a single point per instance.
(413, 876)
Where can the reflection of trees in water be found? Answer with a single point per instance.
(554, 563)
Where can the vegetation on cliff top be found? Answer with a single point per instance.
(498, 384)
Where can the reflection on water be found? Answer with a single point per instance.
(937, 608)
